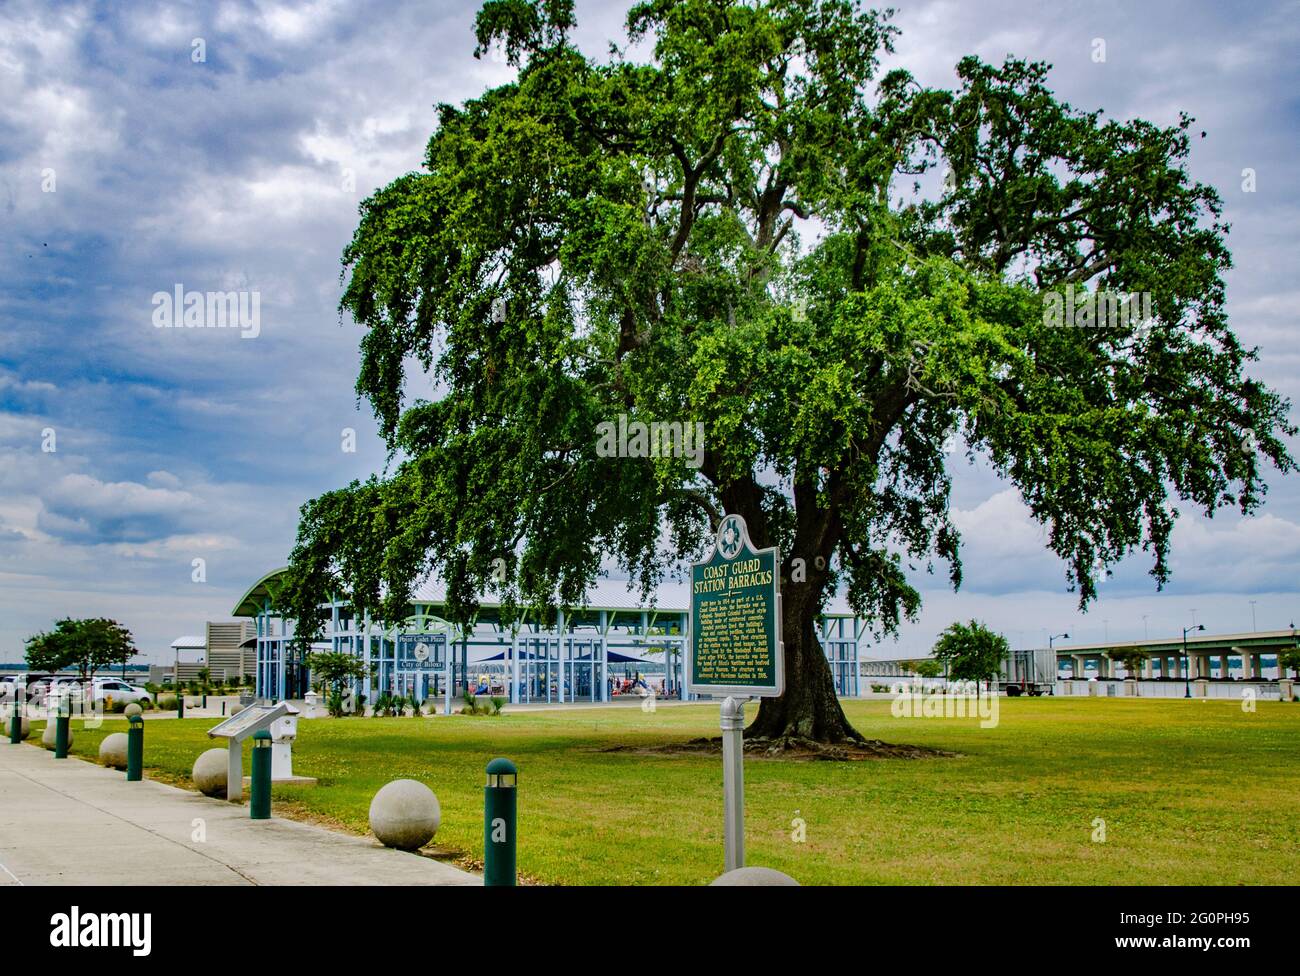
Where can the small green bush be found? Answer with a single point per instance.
(473, 706)
(167, 703)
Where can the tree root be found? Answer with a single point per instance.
(798, 747)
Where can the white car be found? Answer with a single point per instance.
(119, 690)
(104, 688)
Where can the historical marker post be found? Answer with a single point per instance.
(735, 652)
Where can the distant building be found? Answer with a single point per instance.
(575, 656)
(190, 646)
(228, 649)
(231, 649)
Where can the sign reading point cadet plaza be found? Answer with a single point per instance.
(736, 645)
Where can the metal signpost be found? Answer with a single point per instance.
(235, 730)
(736, 652)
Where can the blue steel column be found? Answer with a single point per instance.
(366, 657)
(559, 657)
(603, 674)
(857, 659)
(686, 649)
(277, 685)
(260, 666)
(514, 663)
(446, 675)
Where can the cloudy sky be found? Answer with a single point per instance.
(226, 146)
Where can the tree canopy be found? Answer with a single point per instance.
(971, 651)
(928, 669)
(836, 271)
(1132, 658)
(336, 671)
(1288, 659)
(87, 645)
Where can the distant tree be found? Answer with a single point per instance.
(929, 668)
(1289, 659)
(50, 651)
(87, 645)
(971, 651)
(1132, 659)
(335, 670)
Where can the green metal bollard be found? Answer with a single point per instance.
(180, 704)
(259, 803)
(500, 808)
(134, 749)
(62, 726)
(16, 725)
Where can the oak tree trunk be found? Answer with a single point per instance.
(809, 712)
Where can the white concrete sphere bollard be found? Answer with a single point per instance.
(405, 814)
(235, 710)
(132, 709)
(112, 751)
(6, 717)
(47, 737)
(753, 877)
(209, 773)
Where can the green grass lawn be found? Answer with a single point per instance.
(1191, 792)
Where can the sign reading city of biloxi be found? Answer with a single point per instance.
(736, 647)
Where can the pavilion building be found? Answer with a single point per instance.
(577, 657)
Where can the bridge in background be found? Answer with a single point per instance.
(1165, 657)
(1242, 656)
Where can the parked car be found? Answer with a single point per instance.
(119, 690)
(103, 688)
(38, 685)
(53, 688)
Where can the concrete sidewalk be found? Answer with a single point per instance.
(68, 822)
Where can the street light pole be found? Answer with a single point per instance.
(1050, 648)
(1187, 662)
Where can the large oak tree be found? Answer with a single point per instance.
(739, 220)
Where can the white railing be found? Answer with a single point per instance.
(1201, 688)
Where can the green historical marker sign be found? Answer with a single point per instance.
(736, 645)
